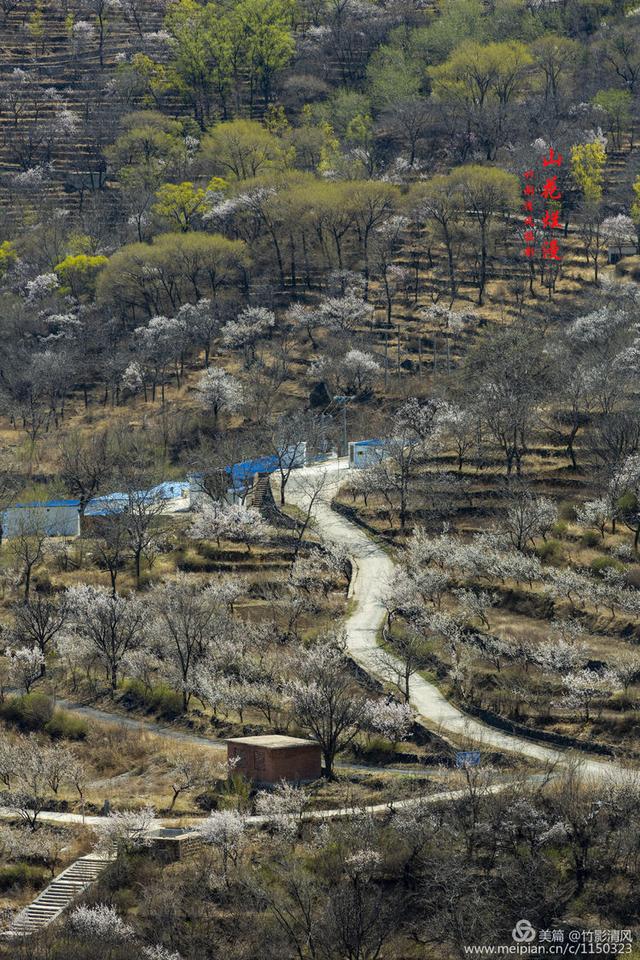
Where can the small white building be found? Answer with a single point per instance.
(55, 518)
(366, 453)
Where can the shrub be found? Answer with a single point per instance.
(135, 694)
(567, 511)
(559, 528)
(207, 801)
(167, 702)
(600, 564)
(33, 711)
(375, 749)
(66, 726)
(550, 551)
(590, 538)
(21, 875)
(160, 699)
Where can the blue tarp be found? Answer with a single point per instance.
(37, 504)
(243, 473)
(117, 502)
(369, 443)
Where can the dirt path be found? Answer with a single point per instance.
(183, 736)
(374, 571)
(134, 723)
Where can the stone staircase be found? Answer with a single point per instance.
(260, 497)
(59, 895)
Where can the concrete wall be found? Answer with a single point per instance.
(55, 521)
(365, 455)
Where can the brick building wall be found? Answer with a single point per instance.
(270, 759)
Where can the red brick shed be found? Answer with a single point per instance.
(269, 759)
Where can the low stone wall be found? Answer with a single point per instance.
(556, 739)
(351, 514)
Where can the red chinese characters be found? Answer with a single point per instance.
(550, 219)
(552, 159)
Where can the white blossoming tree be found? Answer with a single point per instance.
(225, 830)
(217, 520)
(108, 624)
(219, 392)
(25, 667)
(323, 699)
(391, 719)
(100, 923)
(127, 831)
(247, 330)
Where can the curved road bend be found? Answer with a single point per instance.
(374, 572)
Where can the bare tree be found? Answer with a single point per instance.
(187, 614)
(27, 545)
(85, 465)
(39, 621)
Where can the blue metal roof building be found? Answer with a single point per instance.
(111, 503)
(241, 474)
(365, 453)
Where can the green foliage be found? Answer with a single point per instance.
(217, 47)
(342, 111)
(477, 73)
(393, 76)
(178, 204)
(78, 273)
(148, 78)
(66, 726)
(635, 206)
(600, 564)
(555, 58)
(550, 551)
(234, 792)
(459, 20)
(590, 538)
(160, 699)
(374, 749)
(8, 256)
(587, 169)
(21, 875)
(243, 149)
(627, 503)
(174, 269)
(567, 511)
(559, 528)
(510, 21)
(617, 106)
(148, 142)
(33, 711)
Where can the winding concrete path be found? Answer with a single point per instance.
(374, 571)
(263, 820)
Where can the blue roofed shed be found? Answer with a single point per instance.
(366, 453)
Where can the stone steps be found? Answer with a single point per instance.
(59, 895)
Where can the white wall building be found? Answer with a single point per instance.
(55, 518)
(366, 453)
